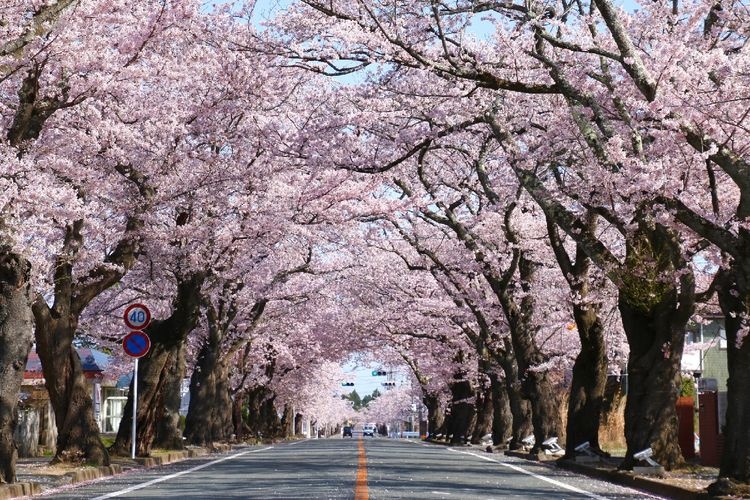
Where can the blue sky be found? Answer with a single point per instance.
(364, 382)
(266, 9)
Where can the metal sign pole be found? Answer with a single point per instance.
(135, 406)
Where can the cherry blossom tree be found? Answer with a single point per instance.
(114, 89)
(34, 55)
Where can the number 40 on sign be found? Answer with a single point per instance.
(137, 316)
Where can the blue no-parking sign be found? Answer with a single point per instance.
(136, 344)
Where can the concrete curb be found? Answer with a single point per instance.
(172, 456)
(614, 476)
(535, 457)
(628, 479)
(16, 490)
(19, 490)
(93, 473)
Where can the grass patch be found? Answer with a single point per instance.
(107, 440)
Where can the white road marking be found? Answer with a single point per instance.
(177, 474)
(537, 476)
(296, 442)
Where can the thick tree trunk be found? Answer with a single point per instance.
(262, 418)
(545, 404)
(462, 410)
(264, 421)
(168, 432)
(77, 429)
(298, 423)
(536, 386)
(589, 381)
(156, 369)
(656, 339)
(269, 418)
(153, 375)
(435, 416)
(287, 422)
(502, 418)
(238, 422)
(734, 298)
(484, 418)
(520, 408)
(656, 299)
(209, 417)
(16, 337)
(590, 368)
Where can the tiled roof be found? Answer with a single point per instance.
(92, 362)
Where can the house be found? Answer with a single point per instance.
(705, 357)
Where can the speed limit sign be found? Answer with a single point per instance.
(137, 316)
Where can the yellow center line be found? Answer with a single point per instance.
(360, 488)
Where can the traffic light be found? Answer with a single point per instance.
(379, 373)
(347, 383)
(389, 384)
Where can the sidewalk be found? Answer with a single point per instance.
(36, 475)
(683, 484)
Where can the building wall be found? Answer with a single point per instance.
(714, 363)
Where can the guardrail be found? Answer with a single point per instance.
(405, 435)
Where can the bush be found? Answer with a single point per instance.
(687, 387)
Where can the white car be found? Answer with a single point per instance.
(368, 430)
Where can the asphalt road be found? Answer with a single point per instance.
(344, 469)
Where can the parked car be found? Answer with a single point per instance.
(347, 431)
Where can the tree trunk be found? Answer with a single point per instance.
(520, 408)
(462, 410)
(77, 429)
(484, 419)
(502, 418)
(287, 422)
(260, 412)
(590, 368)
(536, 386)
(734, 298)
(656, 340)
(156, 369)
(238, 422)
(209, 417)
(589, 381)
(168, 432)
(269, 418)
(435, 416)
(16, 337)
(654, 312)
(153, 374)
(298, 424)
